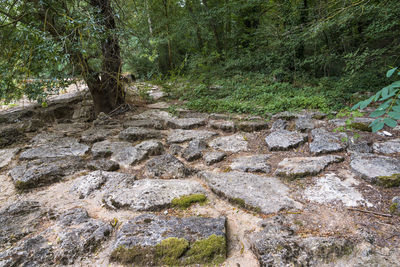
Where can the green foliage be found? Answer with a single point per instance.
(388, 112)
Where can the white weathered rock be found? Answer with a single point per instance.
(265, 194)
(284, 140)
(180, 136)
(388, 147)
(255, 163)
(232, 143)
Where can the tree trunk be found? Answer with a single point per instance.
(107, 90)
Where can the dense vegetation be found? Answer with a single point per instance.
(252, 56)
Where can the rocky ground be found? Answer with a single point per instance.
(146, 187)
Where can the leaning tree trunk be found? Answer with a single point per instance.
(106, 89)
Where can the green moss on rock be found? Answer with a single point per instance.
(389, 181)
(211, 250)
(170, 250)
(185, 201)
(174, 252)
(142, 256)
(238, 201)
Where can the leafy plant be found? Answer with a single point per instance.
(388, 111)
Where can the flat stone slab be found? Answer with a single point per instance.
(194, 150)
(77, 235)
(17, 221)
(97, 134)
(41, 172)
(388, 147)
(251, 126)
(64, 147)
(103, 165)
(326, 142)
(232, 143)
(284, 140)
(279, 124)
(305, 166)
(6, 155)
(151, 147)
(159, 105)
(154, 114)
(150, 194)
(256, 163)
(100, 181)
(133, 134)
(304, 124)
(128, 156)
(166, 167)
(260, 193)
(277, 245)
(214, 157)
(226, 126)
(331, 188)
(107, 148)
(148, 233)
(148, 123)
(186, 123)
(371, 167)
(181, 136)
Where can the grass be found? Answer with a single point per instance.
(256, 94)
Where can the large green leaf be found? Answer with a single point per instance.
(377, 125)
(390, 72)
(377, 113)
(394, 115)
(390, 122)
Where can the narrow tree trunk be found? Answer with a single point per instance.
(107, 90)
(214, 28)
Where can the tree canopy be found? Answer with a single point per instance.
(337, 48)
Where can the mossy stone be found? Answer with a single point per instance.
(142, 256)
(389, 181)
(170, 250)
(211, 250)
(185, 201)
(238, 201)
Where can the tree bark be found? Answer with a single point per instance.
(107, 90)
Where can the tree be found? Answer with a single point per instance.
(55, 40)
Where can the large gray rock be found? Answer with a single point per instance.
(107, 148)
(304, 166)
(133, 134)
(284, 140)
(359, 146)
(180, 136)
(226, 126)
(151, 147)
(148, 123)
(256, 163)
(64, 147)
(97, 134)
(18, 220)
(10, 134)
(154, 114)
(77, 235)
(100, 181)
(263, 194)
(251, 126)
(331, 188)
(279, 124)
(166, 167)
(388, 147)
(372, 167)
(214, 157)
(103, 165)
(194, 150)
(40, 172)
(128, 156)
(304, 123)
(150, 194)
(232, 143)
(186, 123)
(6, 155)
(151, 236)
(277, 245)
(325, 142)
